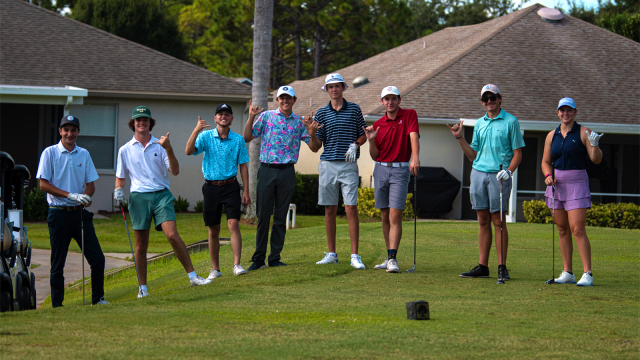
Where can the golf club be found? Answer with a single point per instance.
(553, 227)
(500, 279)
(415, 220)
(82, 240)
(135, 265)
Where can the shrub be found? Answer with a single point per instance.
(623, 215)
(305, 195)
(366, 205)
(181, 205)
(35, 206)
(199, 206)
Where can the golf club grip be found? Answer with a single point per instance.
(123, 216)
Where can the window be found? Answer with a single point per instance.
(98, 133)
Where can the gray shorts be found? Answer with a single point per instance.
(485, 192)
(391, 186)
(336, 176)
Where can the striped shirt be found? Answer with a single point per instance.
(341, 129)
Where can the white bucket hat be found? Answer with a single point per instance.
(332, 79)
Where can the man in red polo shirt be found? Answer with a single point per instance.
(392, 140)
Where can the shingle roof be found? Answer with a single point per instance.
(41, 48)
(534, 63)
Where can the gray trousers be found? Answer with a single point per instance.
(274, 192)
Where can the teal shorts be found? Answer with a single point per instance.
(145, 206)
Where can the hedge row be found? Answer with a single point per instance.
(622, 215)
(367, 202)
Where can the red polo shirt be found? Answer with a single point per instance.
(393, 139)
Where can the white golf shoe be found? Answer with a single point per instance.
(199, 281)
(214, 274)
(586, 280)
(392, 266)
(143, 293)
(238, 270)
(565, 278)
(382, 266)
(356, 262)
(102, 302)
(329, 258)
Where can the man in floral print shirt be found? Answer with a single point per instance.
(281, 131)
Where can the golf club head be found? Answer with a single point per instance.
(410, 271)
(500, 281)
(552, 281)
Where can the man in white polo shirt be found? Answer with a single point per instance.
(67, 175)
(148, 162)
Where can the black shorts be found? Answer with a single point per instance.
(215, 196)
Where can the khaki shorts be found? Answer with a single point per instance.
(336, 176)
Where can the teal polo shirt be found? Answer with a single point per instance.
(494, 141)
(221, 156)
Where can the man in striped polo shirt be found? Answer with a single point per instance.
(339, 127)
(393, 140)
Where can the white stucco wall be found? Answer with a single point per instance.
(174, 116)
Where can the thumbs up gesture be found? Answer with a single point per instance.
(164, 142)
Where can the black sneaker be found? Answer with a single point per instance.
(480, 271)
(503, 273)
(256, 266)
(277, 263)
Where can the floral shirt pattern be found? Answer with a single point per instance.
(281, 137)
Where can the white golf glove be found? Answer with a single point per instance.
(83, 199)
(594, 138)
(118, 196)
(504, 175)
(351, 153)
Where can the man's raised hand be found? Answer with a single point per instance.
(253, 110)
(371, 134)
(456, 129)
(164, 142)
(202, 124)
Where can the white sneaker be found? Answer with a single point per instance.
(143, 293)
(586, 280)
(565, 278)
(214, 274)
(101, 302)
(382, 266)
(329, 258)
(392, 266)
(238, 270)
(356, 262)
(199, 281)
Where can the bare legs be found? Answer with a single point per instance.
(354, 226)
(573, 222)
(485, 219)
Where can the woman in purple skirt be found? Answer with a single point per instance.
(567, 148)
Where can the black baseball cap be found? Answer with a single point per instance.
(70, 119)
(223, 106)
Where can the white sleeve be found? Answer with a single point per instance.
(121, 169)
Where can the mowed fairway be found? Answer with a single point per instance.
(308, 311)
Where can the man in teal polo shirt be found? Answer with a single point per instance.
(224, 152)
(497, 140)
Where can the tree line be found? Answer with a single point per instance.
(309, 37)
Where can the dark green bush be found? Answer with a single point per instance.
(35, 206)
(622, 216)
(199, 206)
(181, 205)
(305, 195)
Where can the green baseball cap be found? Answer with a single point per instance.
(141, 111)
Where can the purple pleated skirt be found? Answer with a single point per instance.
(572, 190)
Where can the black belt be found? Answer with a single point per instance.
(67, 208)
(277, 166)
(220, 182)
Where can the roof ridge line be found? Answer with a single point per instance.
(125, 40)
(443, 67)
(601, 28)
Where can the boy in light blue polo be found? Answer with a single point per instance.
(497, 140)
(224, 153)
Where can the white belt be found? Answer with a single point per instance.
(394, 164)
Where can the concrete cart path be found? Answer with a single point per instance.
(72, 269)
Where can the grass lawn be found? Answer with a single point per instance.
(307, 311)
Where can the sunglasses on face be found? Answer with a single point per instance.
(489, 97)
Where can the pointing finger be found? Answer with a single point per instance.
(167, 135)
(198, 118)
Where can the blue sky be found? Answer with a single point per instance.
(554, 3)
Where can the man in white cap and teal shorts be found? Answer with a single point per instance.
(281, 132)
(394, 140)
(497, 140)
(339, 127)
(148, 161)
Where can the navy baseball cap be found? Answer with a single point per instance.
(70, 119)
(223, 106)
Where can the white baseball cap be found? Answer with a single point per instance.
(334, 78)
(491, 88)
(286, 90)
(389, 90)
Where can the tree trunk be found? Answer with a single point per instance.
(317, 54)
(298, 53)
(262, 29)
(277, 64)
